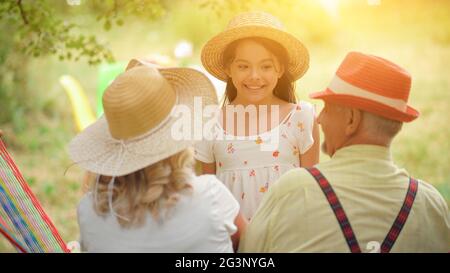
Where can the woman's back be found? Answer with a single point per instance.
(201, 221)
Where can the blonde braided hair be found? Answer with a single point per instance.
(151, 189)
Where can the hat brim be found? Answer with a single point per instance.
(212, 52)
(95, 150)
(367, 105)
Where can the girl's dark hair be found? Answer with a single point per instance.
(285, 88)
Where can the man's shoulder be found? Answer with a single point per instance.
(293, 180)
(429, 193)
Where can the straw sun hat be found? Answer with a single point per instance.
(135, 130)
(254, 24)
(372, 84)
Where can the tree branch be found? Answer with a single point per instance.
(22, 13)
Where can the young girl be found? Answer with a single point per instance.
(146, 197)
(260, 63)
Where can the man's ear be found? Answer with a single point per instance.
(353, 117)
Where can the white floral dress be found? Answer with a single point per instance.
(246, 169)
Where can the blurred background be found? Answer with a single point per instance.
(57, 56)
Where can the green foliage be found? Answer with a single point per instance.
(13, 101)
(39, 31)
(42, 28)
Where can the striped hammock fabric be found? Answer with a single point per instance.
(23, 222)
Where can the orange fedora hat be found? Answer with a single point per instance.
(372, 84)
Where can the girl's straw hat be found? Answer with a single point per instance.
(137, 128)
(372, 84)
(254, 24)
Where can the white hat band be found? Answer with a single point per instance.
(339, 86)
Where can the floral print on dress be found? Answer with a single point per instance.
(230, 148)
(301, 126)
(276, 153)
(264, 188)
(258, 140)
(295, 150)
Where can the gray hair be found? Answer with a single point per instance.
(380, 127)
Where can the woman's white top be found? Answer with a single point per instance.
(202, 221)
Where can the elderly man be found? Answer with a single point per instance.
(359, 201)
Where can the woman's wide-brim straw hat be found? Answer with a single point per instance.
(139, 124)
(254, 24)
(372, 84)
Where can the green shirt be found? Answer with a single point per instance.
(295, 216)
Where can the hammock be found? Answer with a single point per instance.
(23, 222)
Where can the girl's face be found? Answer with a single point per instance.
(255, 72)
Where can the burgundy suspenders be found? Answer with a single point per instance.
(337, 209)
(401, 217)
(344, 222)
